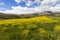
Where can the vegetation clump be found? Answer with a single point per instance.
(37, 28)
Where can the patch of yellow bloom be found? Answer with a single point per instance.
(57, 28)
(42, 30)
(25, 32)
(42, 19)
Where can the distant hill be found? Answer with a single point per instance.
(13, 16)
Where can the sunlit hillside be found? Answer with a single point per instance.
(29, 15)
(37, 28)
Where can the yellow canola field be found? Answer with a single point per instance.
(42, 19)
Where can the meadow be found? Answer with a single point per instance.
(36, 28)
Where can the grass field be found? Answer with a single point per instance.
(37, 28)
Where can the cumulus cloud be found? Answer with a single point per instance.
(29, 3)
(21, 10)
(55, 9)
(58, 5)
(1, 11)
(45, 5)
(18, 1)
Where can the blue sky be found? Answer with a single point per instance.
(10, 3)
(29, 6)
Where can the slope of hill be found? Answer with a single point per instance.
(29, 15)
(37, 28)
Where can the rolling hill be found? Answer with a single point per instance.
(29, 15)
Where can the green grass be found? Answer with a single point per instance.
(38, 28)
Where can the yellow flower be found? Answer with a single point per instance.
(57, 28)
(42, 30)
(25, 32)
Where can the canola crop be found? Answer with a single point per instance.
(37, 28)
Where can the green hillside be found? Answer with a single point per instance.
(37, 28)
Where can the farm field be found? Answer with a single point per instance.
(36, 28)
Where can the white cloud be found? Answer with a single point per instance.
(58, 5)
(1, 11)
(18, 1)
(37, 1)
(21, 10)
(29, 3)
(49, 2)
(1, 4)
(55, 9)
(46, 5)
